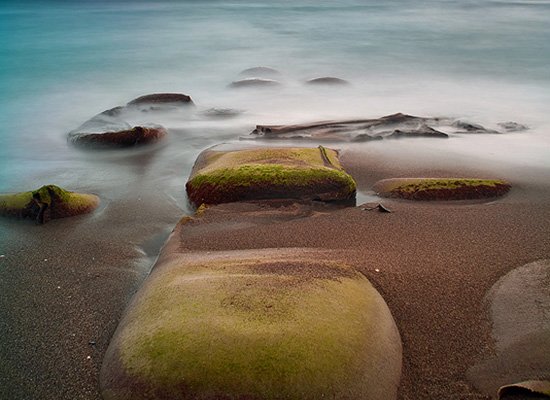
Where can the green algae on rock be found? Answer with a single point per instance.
(48, 202)
(253, 325)
(267, 173)
(441, 188)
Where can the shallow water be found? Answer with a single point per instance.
(63, 62)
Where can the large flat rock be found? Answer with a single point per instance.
(266, 173)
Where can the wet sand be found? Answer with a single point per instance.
(433, 263)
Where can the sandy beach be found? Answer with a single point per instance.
(64, 285)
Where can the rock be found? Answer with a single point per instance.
(327, 80)
(163, 99)
(467, 127)
(138, 135)
(441, 188)
(511, 126)
(260, 72)
(389, 126)
(529, 389)
(260, 324)
(48, 202)
(266, 173)
(254, 82)
(221, 113)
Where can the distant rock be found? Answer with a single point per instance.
(391, 126)
(221, 113)
(269, 173)
(48, 202)
(467, 127)
(163, 99)
(441, 188)
(260, 72)
(138, 135)
(254, 82)
(511, 126)
(327, 80)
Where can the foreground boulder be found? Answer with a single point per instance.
(48, 202)
(259, 324)
(441, 188)
(267, 173)
(138, 135)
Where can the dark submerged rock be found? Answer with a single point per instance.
(254, 82)
(162, 98)
(390, 126)
(511, 126)
(138, 135)
(327, 80)
(260, 72)
(467, 127)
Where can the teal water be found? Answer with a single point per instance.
(61, 62)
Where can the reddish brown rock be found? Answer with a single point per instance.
(136, 136)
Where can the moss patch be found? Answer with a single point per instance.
(256, 330)
(48, 202)
(441, 188)
(220, 177)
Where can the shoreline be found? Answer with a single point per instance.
(93, 261)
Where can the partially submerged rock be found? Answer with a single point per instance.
(138, 135)
(162, 99)
(441, 188)
(48, 202)
(266, 173)
(327, 80)
(260, 72)
(254, 82)
(220, 113)
(259, 324)
(468, 127)
(511, 126)
(390, 126)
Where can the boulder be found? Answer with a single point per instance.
(48, 202)
(441, 188)
(259, 324)
(267, 173)
(327, 80)
(138, 135)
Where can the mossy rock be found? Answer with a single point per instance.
(267, 173)
(441, 188)
(237, 328)
(48, 202)
(138, 135)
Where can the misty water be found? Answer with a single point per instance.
(62, 62)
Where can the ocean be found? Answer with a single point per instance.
(62, 62)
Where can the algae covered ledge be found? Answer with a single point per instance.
(300, 173)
